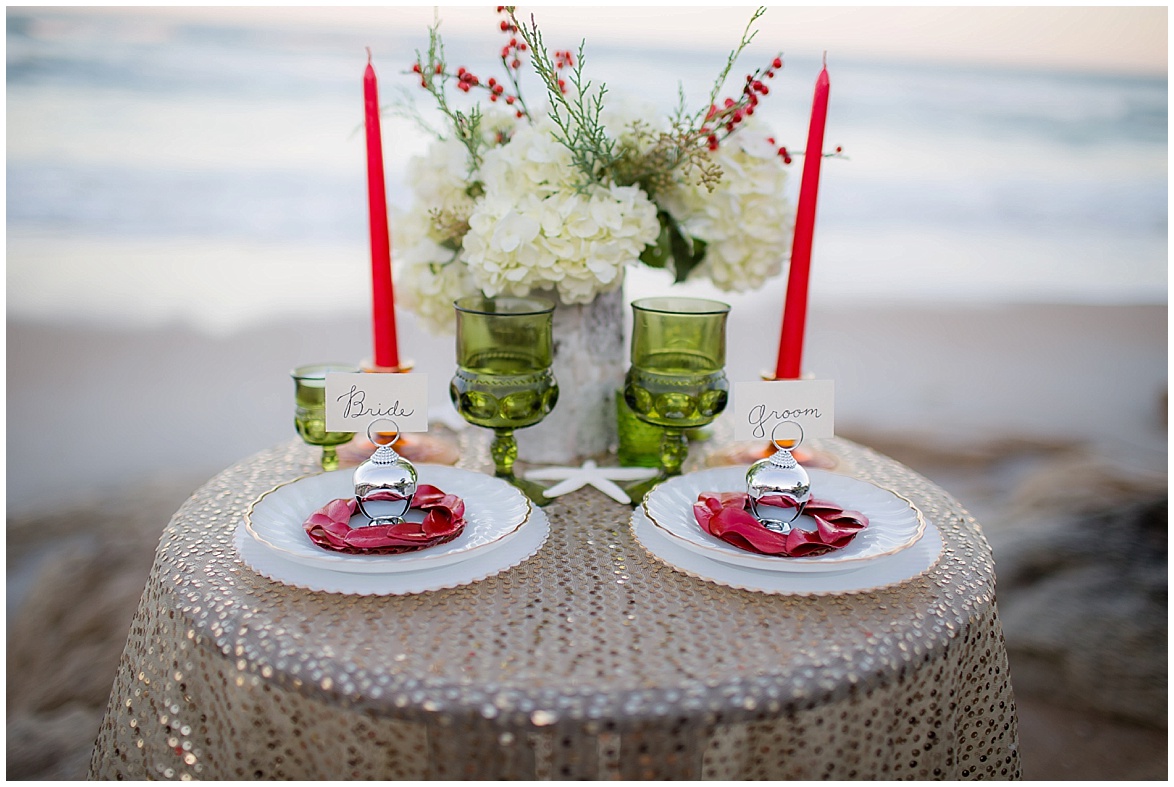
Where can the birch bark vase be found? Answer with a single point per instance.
(590, 360)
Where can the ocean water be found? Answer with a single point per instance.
(214, 174)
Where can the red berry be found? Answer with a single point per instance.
(730, 126)
(737, 116)
(510, 99)
(416, 67)
(771, 140)
(765, 90)
(493, 96)
(839, 149)
(729, 102)
(522, 47)
(505, 26)
(521, 114)
(786, 159)
(749, 110)
(777, 62)
(516, 64)
(770, 75)
(440, 68)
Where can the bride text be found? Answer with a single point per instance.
(356, 406)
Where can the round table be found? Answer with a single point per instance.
(592, 659)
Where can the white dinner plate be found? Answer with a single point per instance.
(494, 513)
(875, 575)
(483, 564)
(894, 523)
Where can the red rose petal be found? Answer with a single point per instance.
(725, 516)
(444, 519)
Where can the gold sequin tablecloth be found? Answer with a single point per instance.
(590, 660)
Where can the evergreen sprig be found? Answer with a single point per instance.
(433, 78)
(578, 117)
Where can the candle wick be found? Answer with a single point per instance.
(369, 56)
(825, 58)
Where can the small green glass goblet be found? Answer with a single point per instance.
(310, 409)
(503, 380)
(677, 379)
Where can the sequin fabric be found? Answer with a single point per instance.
(590, 660)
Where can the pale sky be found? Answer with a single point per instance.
(1119, 39)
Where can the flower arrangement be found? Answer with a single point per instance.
(510, 199)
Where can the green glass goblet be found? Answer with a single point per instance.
(310, 409)
(677, 379)
(503, 380)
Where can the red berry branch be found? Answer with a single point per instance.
(721, 122)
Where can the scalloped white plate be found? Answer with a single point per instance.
(482, 565)
(494, 513)
(884, 572)
(894, 523)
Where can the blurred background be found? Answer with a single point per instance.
(186, 221)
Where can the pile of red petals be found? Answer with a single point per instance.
(329, 527)
(726, 515)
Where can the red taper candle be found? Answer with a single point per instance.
(790, 362)
(382, 293)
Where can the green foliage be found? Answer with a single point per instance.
(673, 246)
(434, 78)
(579, 127)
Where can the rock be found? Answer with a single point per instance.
(81, 573)
(1083, 600)
(54, 746)
(66, 639)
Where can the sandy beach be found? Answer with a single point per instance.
(188, 222)
(108, 408)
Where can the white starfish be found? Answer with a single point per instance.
(601, 478)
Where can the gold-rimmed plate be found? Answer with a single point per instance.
(494, 513)
(894, 523)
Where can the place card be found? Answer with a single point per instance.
(355, 400)
(760, 406)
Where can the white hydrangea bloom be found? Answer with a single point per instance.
(746, 221)
(440, 176)
(428, 276)
(533, 231)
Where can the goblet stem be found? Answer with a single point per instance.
(329, 458)
(504, 451)
(674, 447)
(673, 450)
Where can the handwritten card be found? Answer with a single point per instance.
(353, 401)
(760, 406)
